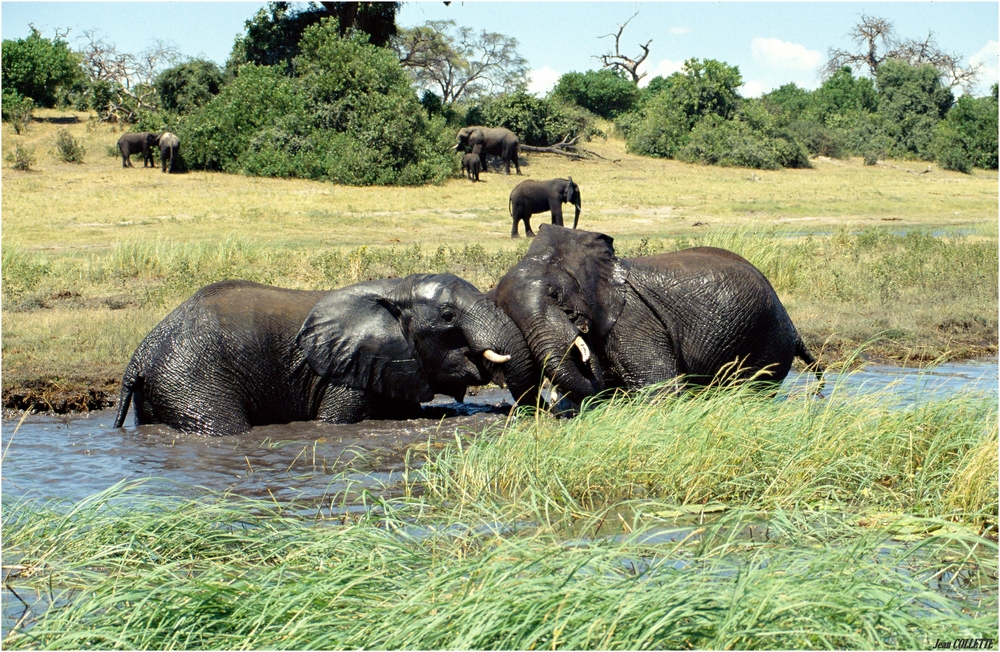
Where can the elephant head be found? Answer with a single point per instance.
(469, 137)
(413, 338)
(571, 195)
(565, 295)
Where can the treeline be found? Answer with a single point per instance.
(317, 94)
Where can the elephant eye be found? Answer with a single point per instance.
(554, 294)
(448, 317)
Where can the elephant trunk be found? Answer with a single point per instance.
(495, 336)
(576, 217)
(566, 359)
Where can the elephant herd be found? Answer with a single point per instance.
(144, 141)
(239, 354)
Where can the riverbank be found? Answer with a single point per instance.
(892, 257)
(727, 520)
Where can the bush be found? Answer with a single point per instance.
(602, 92)
(535, 120)
(911, 102)
(348, 115)
(17, 110)
(67, 148)
(715, 141)
(190, 85)
(967, 137)
(21, 157)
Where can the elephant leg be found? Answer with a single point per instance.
(527, 226)
(344, 405)
(557, 217)
(513, 227)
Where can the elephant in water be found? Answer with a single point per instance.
(239, 354)
(135, 142)
(484, 141)
(594, 321)
(530, 197)
(169, 145)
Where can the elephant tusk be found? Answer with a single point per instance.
(582, 346)
(493, 356)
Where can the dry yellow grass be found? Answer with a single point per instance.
(64, 205)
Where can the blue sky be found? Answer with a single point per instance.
(773, 43)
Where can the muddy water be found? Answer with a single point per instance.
(54, 457)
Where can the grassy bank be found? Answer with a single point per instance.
(830, 524)
(94, 255)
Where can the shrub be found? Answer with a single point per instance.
(67, 148)
(21, 157)
(36, 67)
(967, 137)
(602, 92)
(911, 102)
(715, 141)
(349, 115)
(535, 120)
(17, 110)
(188, 86)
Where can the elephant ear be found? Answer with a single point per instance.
(588, 257)
(354, 337)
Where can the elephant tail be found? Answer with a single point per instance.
(510, 207)
(803, 353)
(132, 384)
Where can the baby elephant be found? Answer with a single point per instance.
(471, 166)
(169, 144)
(133, 143)
(530, 197)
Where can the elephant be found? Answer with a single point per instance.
(239, 354)
(530, 197)
(135, 142)
(471, 166)
(594, 321)
(169, 145)
(485, 141)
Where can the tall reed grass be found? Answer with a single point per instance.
(114, 572)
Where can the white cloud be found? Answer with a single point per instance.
(664, 68)
(752, 89)
(680, 31)
(541, 81)
(782, 54)
(989, 73)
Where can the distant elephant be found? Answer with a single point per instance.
(495, 142)
(471, 166)
(239, 354)
(530, 197)
(135, 142)
(594, 321)
(169, 145)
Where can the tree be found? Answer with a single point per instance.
(967, 137)
(36, 67)
(187, 86)
(122, 83)
(459, 63)
(603, 92)
(273, 34)
(912, 100)
(621, 63)
(878, 42)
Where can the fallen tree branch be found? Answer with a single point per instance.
(567, 148)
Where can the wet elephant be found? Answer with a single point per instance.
(239, 354)
(595, 321)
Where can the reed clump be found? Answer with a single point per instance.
(741, 447)
(124, 571)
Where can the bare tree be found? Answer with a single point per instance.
(126, 78)
(458, 62)
(878, 42)
(621, 63)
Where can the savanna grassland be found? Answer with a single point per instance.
(94, 255)
(722, 520)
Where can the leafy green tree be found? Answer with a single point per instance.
(272, 36)
(667, 118)
(789, 100)
(36, 67)
(967, 137)
(347, 114)
(189, 85)
(602, 92)
(912, 100)
(842, 93)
